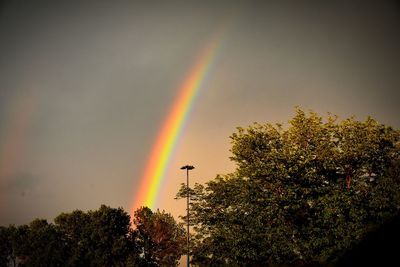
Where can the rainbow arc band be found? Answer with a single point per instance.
(162, 151)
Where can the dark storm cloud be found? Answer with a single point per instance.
(303, 52)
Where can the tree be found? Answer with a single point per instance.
(102, 237)
(5, 246)
(160, 238)
(74, 226)
(97, 238)
(14, 245)
(44, 245)
(301, 195)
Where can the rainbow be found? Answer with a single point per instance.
(15, 134)
(12, 148)
(161, 154)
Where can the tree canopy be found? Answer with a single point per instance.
(300, 195)
(160, 238)
(103, 237)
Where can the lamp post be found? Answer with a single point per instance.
(187, 168)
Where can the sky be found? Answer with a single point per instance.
(85, 87)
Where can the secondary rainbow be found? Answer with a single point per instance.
(14, 135)
(162, 151)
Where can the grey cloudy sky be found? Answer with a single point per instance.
(85, 86)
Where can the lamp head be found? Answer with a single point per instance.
(187, 167)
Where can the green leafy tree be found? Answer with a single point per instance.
(300, 195)
(102, 237)
(44, 245)
(5, 246)
(14, 245)
(97, 238)
(160, 238)
(74, 227)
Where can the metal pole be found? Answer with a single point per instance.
(188, 192)
(188, 168)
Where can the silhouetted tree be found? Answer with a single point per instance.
(102, 237)
(16, 244)
(45, 245)
(97, 238)
(5, 246)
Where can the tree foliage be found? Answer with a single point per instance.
(299, 195)
(97, 238)
(102, 237)
(160, 238)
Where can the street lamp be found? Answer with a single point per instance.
(187, 168)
